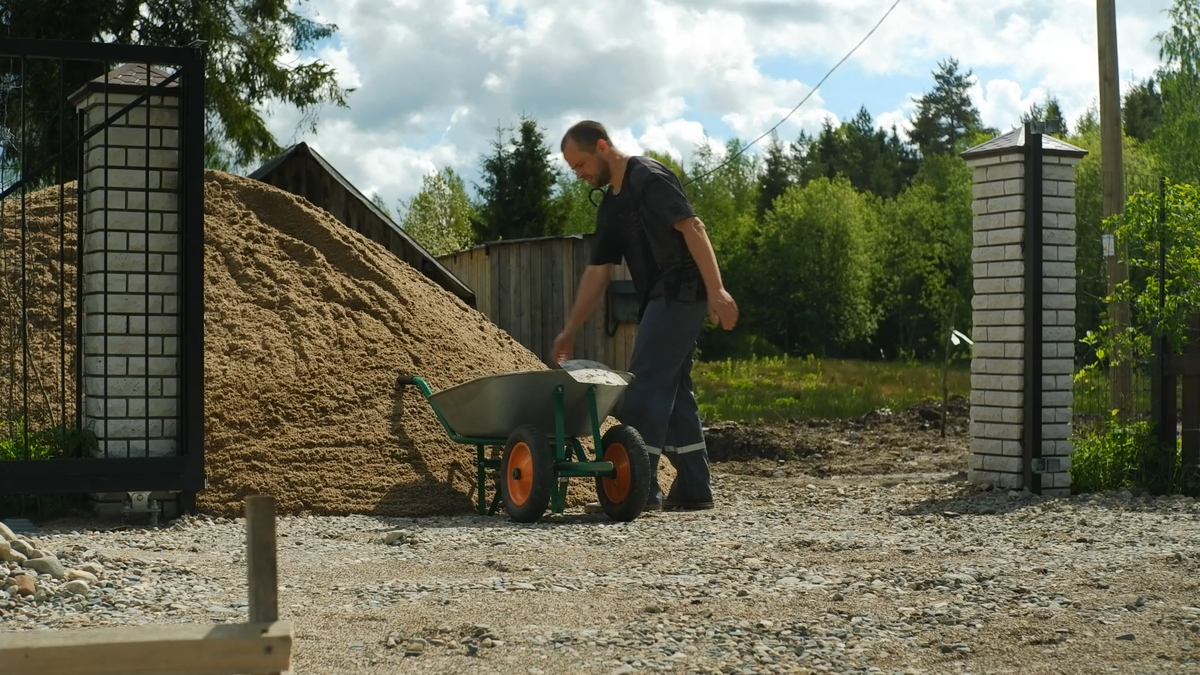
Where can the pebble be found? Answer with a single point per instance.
(874, 569)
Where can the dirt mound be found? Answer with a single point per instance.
(879, 442)
(308, 324)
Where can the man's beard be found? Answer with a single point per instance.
(605, 175)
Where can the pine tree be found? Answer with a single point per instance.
(1142, 111)
(776, 176)
(518, 191)
(1051, 111)
(946, 118)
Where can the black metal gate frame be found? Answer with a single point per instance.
(183, 472)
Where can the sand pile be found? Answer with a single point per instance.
(36, 365)
(308, 325)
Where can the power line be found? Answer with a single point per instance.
(802, 102)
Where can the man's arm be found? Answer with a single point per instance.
(698, 243)
(722, 308)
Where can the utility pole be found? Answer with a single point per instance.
(1112, 185)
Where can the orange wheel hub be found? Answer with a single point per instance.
(520, 474)
(617, 487)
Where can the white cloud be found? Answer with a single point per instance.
(435, 77)
(1001, 102)
(675, 138)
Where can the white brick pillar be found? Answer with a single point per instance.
(131, 320)
(1005, 199)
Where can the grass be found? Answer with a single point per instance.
(780, 388)
(1123, 455)
(18, 442)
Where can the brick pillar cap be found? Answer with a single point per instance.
(131, 78)
(1014, 141)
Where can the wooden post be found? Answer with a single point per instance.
(261, 564)
(262, 645)
(260, 558)
(1113, 185)
(945, 387)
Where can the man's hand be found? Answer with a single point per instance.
(563, 344)
(722, 309)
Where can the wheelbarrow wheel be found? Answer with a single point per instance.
(623, 496)
(526, 474)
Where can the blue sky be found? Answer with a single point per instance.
(660, 73)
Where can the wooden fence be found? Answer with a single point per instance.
(1177, 413)
(528, 286)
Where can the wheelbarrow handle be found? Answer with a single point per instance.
(415, 381)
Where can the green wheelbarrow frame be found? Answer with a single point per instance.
(570, 458)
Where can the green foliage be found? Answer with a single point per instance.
(17, 441)
(571, 202)
(816, 250)
(1121, 456)
(1142, 111)
(1140, 230)
(1141, 171)
(946, 121)
(1051, 111)
(517, 195)
(721, 197)
(925, 248)
(246, 69)
(439, 216)
(779, 388)
(873, 160)
(1178, 139)
(776, 177)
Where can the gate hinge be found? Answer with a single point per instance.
(1047, 465)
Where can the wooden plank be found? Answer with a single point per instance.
(187, 649)
(520, 315)
(551, 325)
(503, 302)
(535, 292)
(583, 338)
(566, 286)
(1183, 364)
(530, 293)
(483, 271)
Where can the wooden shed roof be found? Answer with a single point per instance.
(303, 149)
(512, 242)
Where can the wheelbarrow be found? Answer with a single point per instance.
(538, 417)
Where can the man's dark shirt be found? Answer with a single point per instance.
(638, 224)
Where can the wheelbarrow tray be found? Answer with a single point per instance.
(494, 405)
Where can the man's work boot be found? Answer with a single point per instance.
(654, 499)
(692, 488)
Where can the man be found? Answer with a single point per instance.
(646, 218)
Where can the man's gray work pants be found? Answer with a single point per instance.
(660, 402)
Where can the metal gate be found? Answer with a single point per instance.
(101, 269)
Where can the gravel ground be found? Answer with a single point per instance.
(879, 574)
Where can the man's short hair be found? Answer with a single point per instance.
(585, 134)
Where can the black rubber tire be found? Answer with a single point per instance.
(636, 462)
(530, 448)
